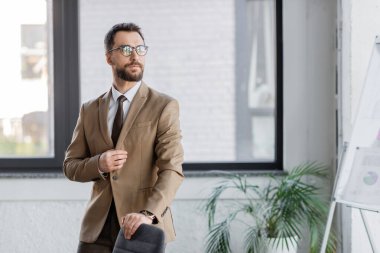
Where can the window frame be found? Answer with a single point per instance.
(66, 90)
(277, 164)
(67, 94)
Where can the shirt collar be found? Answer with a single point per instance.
(130, 94)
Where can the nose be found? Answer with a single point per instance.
(134, 55)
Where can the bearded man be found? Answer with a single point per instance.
(128, 143)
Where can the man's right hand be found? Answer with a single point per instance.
(112, 160)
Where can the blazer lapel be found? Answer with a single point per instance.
(104, 102)
(134, 109)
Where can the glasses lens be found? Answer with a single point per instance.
(126, 50)
(141, 50)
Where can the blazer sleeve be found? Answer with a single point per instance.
(78, 164)
(169, 161)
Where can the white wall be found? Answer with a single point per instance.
(40, 215)
(43, 215)
(309, 82)
(190, 57)
(360, 25)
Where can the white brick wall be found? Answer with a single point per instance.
(44, 215)
(191, 57)
(360, 25)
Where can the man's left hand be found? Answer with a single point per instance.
(131, 222)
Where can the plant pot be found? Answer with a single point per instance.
(281, 248)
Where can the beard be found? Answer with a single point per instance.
(128, 76)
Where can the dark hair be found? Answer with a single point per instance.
(128, 27)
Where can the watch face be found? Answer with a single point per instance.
(148, 214)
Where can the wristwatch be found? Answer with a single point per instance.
(149, 215)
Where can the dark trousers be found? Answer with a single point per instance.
(107, 237)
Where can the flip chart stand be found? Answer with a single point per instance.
(333, 204)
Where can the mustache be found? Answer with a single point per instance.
(134, 63)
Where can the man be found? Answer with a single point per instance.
(128, 142)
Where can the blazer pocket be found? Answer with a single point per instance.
(141, 124)
(148, 188)
(145, 192)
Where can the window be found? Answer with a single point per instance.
(221, 59)
(24, 126)
(250, 138)
(259, 84)
(39, 83)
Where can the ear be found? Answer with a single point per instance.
(109, 59)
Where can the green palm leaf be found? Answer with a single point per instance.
(281, 209)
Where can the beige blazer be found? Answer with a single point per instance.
(153, 171)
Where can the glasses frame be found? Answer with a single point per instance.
(133, 49)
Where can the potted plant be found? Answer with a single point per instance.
(276, 215)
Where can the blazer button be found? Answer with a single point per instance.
(114, 177)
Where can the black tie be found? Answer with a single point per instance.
(118, 122)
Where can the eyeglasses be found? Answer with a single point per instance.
(126, 50)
